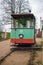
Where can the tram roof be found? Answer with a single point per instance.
(17, 16)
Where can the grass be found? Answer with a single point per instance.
(8, 36)
(39, 62)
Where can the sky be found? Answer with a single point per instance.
(37, 9)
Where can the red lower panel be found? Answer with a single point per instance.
(29, 41)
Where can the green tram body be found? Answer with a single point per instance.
(23, 35)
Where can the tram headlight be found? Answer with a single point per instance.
(21, 35)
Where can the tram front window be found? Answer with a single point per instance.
(22, 23)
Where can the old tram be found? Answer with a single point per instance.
(23, 29)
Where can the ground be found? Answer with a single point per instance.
(18, 57)
(39, 40)
(4, 47)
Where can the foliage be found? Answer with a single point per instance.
(22, 21)
(35, 54)
(22, 5)
(39, 62)
(42, 43)
(8, 36)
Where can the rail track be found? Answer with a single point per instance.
(38, 48)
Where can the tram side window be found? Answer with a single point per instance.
(12, 25)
